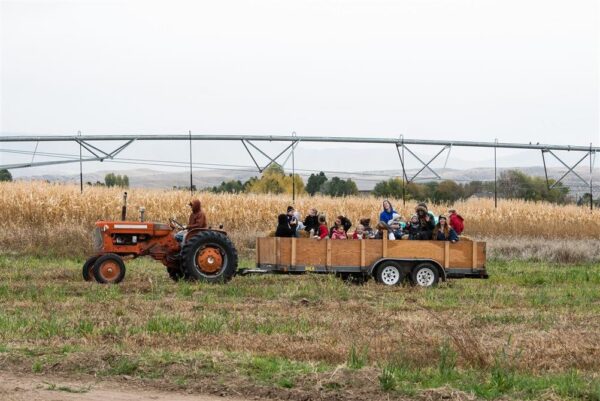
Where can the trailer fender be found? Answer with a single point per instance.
(412, 262)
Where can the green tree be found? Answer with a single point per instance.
(5, 175)
(447, 191)
(391, 188)
(231, 186)
(339, 187)
(314, 182)
(110, 180)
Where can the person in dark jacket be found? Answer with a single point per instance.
(443, 231)
(291, 219)
(412, 228)
(344, 222)
(311, 222)
(388, 212)
(426, 222)
(283, 228)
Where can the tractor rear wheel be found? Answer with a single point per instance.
(88, 268)
(209, 256)
(109, 269)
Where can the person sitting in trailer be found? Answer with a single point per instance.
(388, 212)
(311, 221)
(283, 227)
(396, 227)
(366, 223)
(412, 229)
(426, 222)
(443, 231)
(360, 232)
(338, 232)
(344, 222)
(323, 232)
(381, 228)
(456, 221)
(291, 219)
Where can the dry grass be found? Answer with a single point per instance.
(40, 218)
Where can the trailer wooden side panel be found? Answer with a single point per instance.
(416, 250)
(288, 252)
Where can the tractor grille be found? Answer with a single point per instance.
(97, 242)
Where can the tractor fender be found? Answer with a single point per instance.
(413, 262)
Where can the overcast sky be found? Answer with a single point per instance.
(518, 71)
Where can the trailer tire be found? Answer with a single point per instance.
(389, 273)
(425, 275)
(209, 256)
(88, 269)
(109, 269)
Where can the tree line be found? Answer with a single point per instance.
(511, 184)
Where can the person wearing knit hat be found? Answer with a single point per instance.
(426, 221)
(413, 228)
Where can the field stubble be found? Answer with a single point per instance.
(531, 331)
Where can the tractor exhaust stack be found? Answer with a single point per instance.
(124, 209)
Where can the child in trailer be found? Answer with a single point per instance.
(366, 223)
(411, 230)
(323, 232)
(311, 222)
(396, 226)
(338, 232)
(443, 232)
(360, 232)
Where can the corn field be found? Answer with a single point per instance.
(57, 219)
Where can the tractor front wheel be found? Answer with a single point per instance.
(109, 269)
(209, 256)
(88, 268)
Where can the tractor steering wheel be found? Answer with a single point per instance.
(175, 224)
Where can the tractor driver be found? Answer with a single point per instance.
(197, 219)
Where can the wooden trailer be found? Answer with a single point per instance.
(423, 263)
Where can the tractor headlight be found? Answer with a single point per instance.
(97, 241)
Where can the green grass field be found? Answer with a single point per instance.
(531, 331)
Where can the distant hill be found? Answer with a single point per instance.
(148, 178)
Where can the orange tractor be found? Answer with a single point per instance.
(203, 254)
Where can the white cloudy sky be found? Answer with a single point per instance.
(516, 70)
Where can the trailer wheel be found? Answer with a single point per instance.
(109, 269)
(88, 268)
(425, 275)
(389, 273)
(209, 256)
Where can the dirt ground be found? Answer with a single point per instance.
(53, 388)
